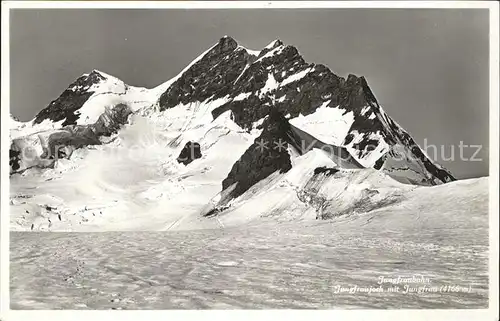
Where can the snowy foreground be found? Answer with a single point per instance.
(436, 234)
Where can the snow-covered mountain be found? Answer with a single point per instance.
(238, 134)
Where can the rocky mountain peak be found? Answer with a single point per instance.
(72, 99)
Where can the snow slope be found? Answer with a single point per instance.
(439, 233)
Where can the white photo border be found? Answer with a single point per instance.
(452, 314)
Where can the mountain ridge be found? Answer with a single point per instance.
(247, 74)
(273, 108)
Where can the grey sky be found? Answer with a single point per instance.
(428, 68)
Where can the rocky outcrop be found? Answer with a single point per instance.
(269, 153)
(212, 76)
(265, 156)
(325, 171)
(189, 153)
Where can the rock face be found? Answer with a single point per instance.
(189, 153)
(211, 76)
(111, 120)
(61, 142)
(278, 78)
(265, 156)
(269, 153)
(70, 101)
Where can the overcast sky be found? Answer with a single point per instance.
(427, 68)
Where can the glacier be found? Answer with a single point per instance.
(439, 233)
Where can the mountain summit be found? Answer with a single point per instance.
(251, 119)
